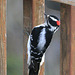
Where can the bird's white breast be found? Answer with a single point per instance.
(42, 40)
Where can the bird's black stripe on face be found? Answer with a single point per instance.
(53, 23)
(53, 20)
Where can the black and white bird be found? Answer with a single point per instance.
(39, 41)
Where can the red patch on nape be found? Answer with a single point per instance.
(58, 23)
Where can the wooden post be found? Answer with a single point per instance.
(27, 20)
(38, 7)
(72, 63)
(67, 33)
(3, 66)
(33, 14)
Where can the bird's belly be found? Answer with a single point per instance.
(41, 44)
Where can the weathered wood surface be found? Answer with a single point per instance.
(72, 63)
(71, 2)
(67, 34)
(33, 14)
(38, 7)
(3, 64)
(27, 20)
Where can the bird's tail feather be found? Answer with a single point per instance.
(34, 68)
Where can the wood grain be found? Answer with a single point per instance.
(72, 41)
(67, 34)
(27, 21)
(70, 2)
(38, 9)
(33, 14)
(3, 64)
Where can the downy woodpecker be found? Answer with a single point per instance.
(39, 41)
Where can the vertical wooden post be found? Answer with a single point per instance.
(67, 32)
(38, 7)
(33, 14)
(27, 20)
(72, 62)
(3, 65)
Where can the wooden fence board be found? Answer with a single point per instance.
(67, 32)
(33, 11)
(3, 64)
(38, 7)
(27, 20)
(72, 62)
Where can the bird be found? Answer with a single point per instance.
(38, 42)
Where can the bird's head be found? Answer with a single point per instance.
(52, 21)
